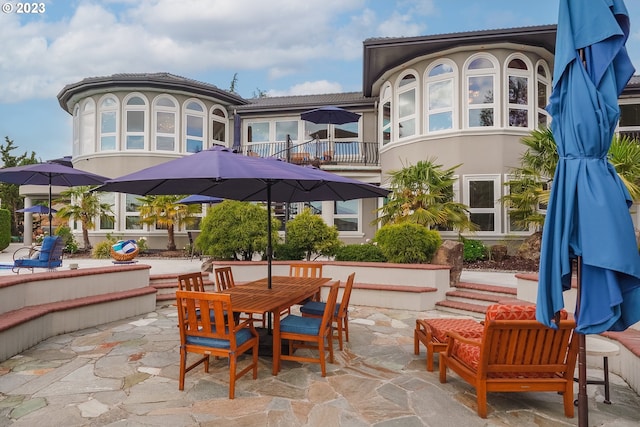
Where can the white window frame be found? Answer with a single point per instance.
(546, 80)
(127, 214)
(385, 97)
(358, 216)
(401, 90)
(145, 109)
(115, 110)
(494, 73)
(188, 112)
(76, 130)
(218, 119)
(432, 80)
(497, 205)
(529, 107)
(87, 126)
(156, 134)
(112, 197)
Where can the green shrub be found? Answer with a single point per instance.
(408, 243)
(312, 235)
(360, 253)
(102, 250)
(5, 229)
(287, 251)
(143, 247)
(70, 244)
(474, 250)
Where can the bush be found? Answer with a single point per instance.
(474, 250)
(70, 244)
(408, 243)
(5, 229)
(312, 235)
(360, 253)
(102, 250)
(286, 251)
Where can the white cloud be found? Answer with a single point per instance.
(309, 88)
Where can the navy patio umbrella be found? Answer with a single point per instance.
(195, 199)
(330, 115)
(219, 172)
(588, 221)
(39, 209)
(49, 173)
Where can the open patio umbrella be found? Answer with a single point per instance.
(587, 219)
(49, 174)
(221, 173)
(330, 115)
(39, 209)
(195, 199)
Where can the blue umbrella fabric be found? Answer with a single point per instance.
(588, 214)
(330, 115)
(195, 199)
(39, 209)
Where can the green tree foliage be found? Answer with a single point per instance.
(82, 206)
(360, 253)
(474, 250)
(70, 244)
(234, 83)
(311, 234)
(165, 211)
(235, 230)
(423, 194)
(5, 229)
(9, 193)
(407, 243)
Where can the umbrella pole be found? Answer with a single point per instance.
(269, 246)
(50, 212)
(583, 409)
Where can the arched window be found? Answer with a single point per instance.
(76, 130)
(385, 119)
(135, 116)
(165, 123)
(407, 108)
(108, 123)
(518, 102)
(440, 88)
(87, 126)
(194, 120)
(543, 91)
(481, 74)
(219, 124)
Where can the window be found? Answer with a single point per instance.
(440, 87)
(107, 222)
(258, 138)
(132, 216)
(108, 123)
(76, 130)
(518, 92)
(319, 132)
(481, 88)
(407, 106)
(194, 126)
(87, 126)
(135, 117)
(346, 215)
(543, 81)
(512, 224)
(629, 123)
(347, 143)
(219, 126)
(481, 195)
(284, 129)
(165, 117)
(385, 115)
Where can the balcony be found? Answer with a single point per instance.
(318, 152)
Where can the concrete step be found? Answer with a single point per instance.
(479, 298)
(506, 291)
(462, 308)
(472, 299)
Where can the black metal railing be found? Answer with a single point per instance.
(318, 152)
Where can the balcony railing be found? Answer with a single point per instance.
(318, 152)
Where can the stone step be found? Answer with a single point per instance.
(506, 291)
(480, 298)
(462, 308)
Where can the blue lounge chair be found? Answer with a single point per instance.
(47, 256)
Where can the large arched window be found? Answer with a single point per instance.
(135, 118)
(194, 126)
(407, 105)
(386, 123)
(519, 111)
(87, 126)
(108, 123)
(165, 119)
(219, 125)
(543, 91)
(76, 130)
(480, 84)
(440, 95)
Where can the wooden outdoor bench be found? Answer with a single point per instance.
(516, 353)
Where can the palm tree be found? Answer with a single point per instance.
(165, 211)
(423, 194)
(83, 206)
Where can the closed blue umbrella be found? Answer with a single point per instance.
(588, 218)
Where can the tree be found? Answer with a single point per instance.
(423, 194)
(311, 234)
(165, 211)
(9, 193)
(84, 206)
(235, 230)
(234, 83)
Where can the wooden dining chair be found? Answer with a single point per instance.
(191, 282)
(216, 335)
(308, 332)
(224, 278)
(306, 269)
(341, 312)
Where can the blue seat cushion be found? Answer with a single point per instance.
(45, 249)
(300, 325)
(28, 263)
(316, 308)
(242, 336)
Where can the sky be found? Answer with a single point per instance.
(281, 47)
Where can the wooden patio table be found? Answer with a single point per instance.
(255, 298)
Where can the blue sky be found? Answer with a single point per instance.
(283, 47)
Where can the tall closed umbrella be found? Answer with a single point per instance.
(588, 221)
(50, 174)
(221, 173)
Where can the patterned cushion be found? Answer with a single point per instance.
(514, 312)
(468, 328)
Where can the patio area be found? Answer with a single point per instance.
(126, 374)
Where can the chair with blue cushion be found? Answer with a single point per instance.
(47, 256)
(225, 280)
(341, 313)
(308, 332)
(216, 335)
(191, 282)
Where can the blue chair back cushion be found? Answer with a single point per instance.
(241, 337)
(47, 246)
(316, 308)
(300, 325)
